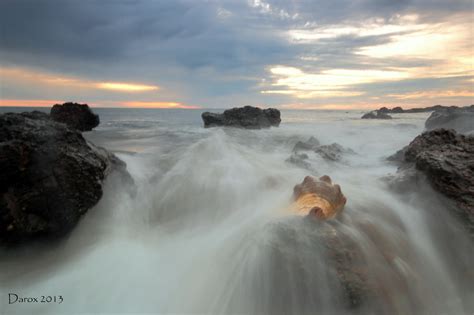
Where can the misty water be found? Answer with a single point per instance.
(206, 230)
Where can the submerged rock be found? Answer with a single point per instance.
(377, 114)
(311, 144)
(446, 158)
(459, 119)
(333, 152)
(299, 160)
(318, 197)
(50, 176)
(244, 117)
(76, 116)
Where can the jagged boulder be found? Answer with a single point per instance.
(50, 176)
(446, 158)
(459, 119)
(76, 116)
(244, 117)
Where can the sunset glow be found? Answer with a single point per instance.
(159, 105)
(29, 103)
(126, 87)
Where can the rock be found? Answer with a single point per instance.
(346, 260)
(446, 158)
(376, 115)
(318, 198)
(332, 152)
(311, 144)
(50, 177)
(396, 110)
(459, 119)
(76, 116)
(399, 110)
(299, 160)
(243, 117)
(405, 181)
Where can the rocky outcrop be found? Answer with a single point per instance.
(76, 116)
(399, 110)
(318, 197)
(459, 119)
(446, 158)
(50, 177)
(243, 117)
(376, 114)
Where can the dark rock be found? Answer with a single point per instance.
(459, 119)
(243, 117)
(376, 115)
(50, 177)
(333, 152)
(399, 156)
(76, 116)
(384, 110)
(397, 110)
(446, 158)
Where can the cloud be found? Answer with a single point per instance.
(220, 52)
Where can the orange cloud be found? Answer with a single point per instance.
(158, 105)
(126, 87)
(35, 77)
(29, 103)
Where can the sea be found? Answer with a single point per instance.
(205, 227)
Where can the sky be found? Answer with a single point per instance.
(289, 54)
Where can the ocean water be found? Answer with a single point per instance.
(207, 231)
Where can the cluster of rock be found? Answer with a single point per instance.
(244, 117)
(51, 175)
(446, 159)
(459, 118)
(400, 110)
(331, 152)
(376, 114)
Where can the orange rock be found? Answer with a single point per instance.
(318, 197)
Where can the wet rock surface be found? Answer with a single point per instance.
(50, 177)
(243, 117)
(459, 119)
(76, 116)
(446, 158)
